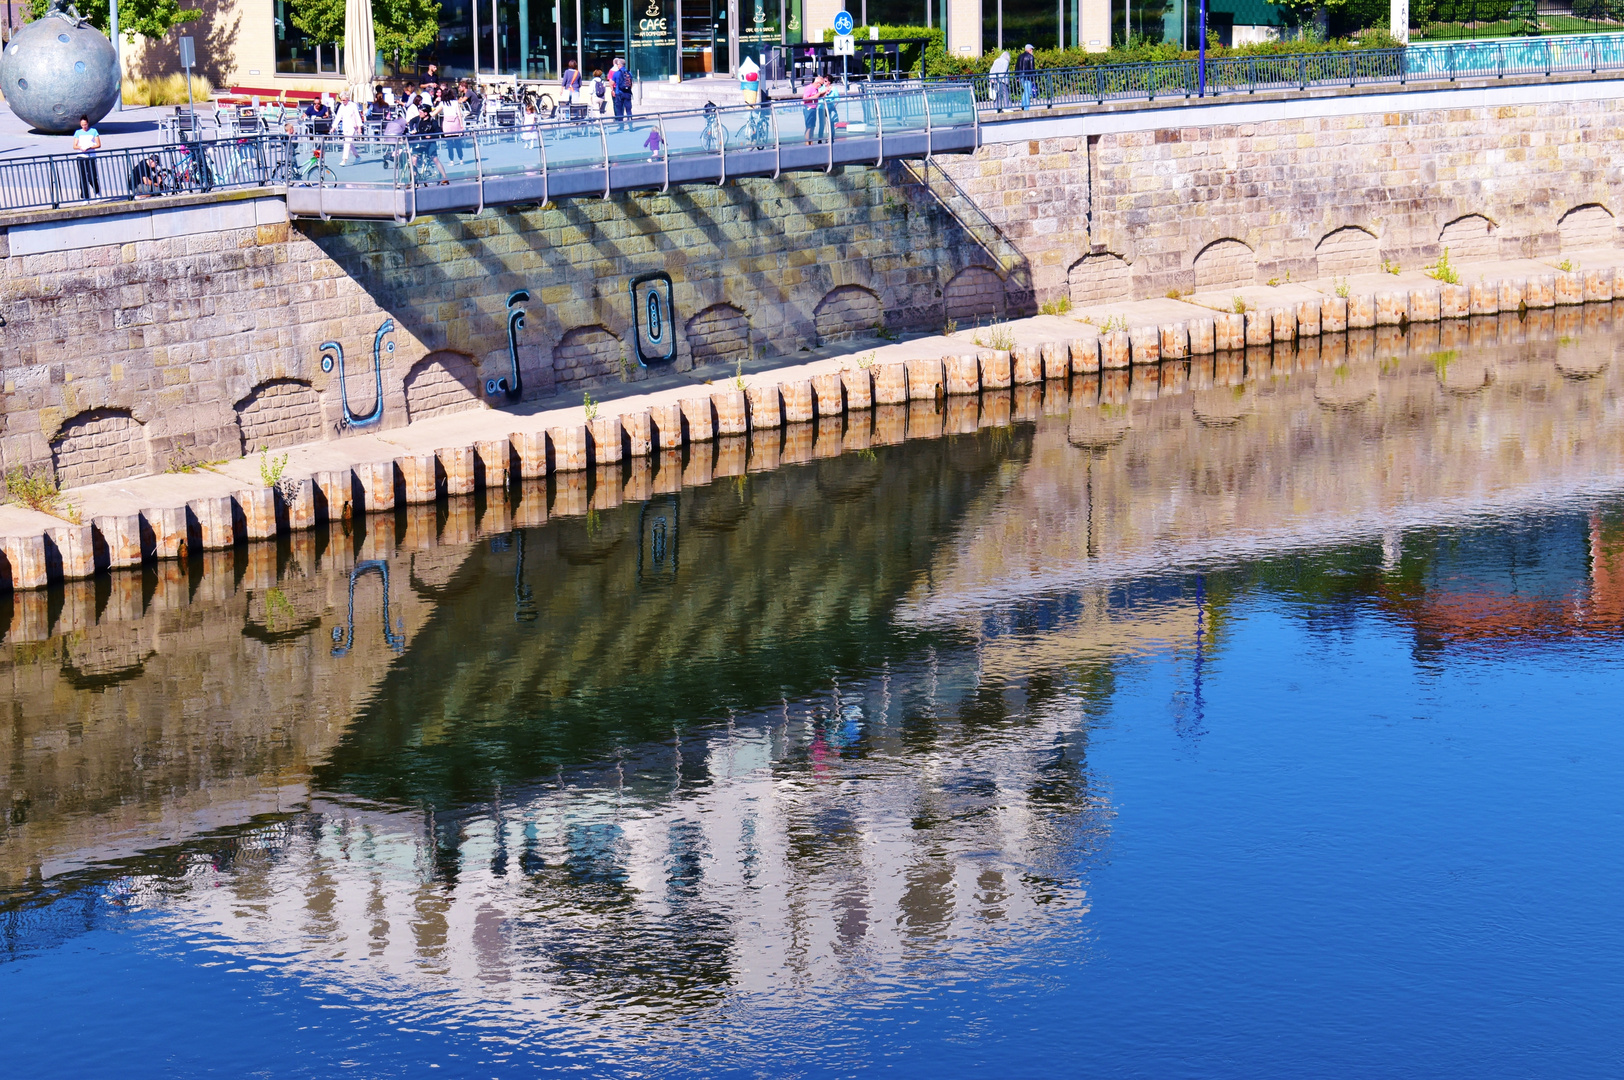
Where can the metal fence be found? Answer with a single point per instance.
(1098, 84)
(176, 169)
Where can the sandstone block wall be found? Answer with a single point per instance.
(1130, 215)
(157, 339)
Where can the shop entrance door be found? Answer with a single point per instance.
(708, 44)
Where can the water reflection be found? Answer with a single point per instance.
(796, 718)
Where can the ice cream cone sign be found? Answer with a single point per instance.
(750, 81)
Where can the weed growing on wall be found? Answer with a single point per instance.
(1390, 266)
(1238, 304)
(589, 407)
(1342, 287)
(1057, 307)
(39, 491)
(1443, 270)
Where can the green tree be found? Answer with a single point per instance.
(404, 28)
(321, 20)
(149, 18)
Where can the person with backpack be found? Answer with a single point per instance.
(620, 78)
(600, 90)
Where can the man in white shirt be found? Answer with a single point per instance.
(349, 124)
(86, 141)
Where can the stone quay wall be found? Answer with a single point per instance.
(145, 341)
(1132, 206)
(142, 342)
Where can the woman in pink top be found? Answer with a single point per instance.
(811, 104)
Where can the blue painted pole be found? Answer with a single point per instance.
(1201, 55)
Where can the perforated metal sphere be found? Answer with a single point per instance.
(57, 69)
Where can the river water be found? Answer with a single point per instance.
(1236, 719)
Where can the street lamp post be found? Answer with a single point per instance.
(118, 59)
(1201, 55)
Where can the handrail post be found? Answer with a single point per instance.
(1500, 51)
(924, 96)
(541, 144)
(603, 136)
(1302, 72)
(778, 142)
(721, 146)
(321, 179)
(879, 127)
(665, 152)
(829, 114)
(479, 174)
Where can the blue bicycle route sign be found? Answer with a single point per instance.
(843, 23)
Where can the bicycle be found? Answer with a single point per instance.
(312, 170)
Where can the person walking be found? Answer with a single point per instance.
(620, 78)
(453, 116)
(349, 125)
(86, 141)
(600, 90)
(569, 86)
(1026, 70)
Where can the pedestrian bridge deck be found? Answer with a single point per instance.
(401, 178)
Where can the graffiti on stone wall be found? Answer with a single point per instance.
(654, 318)
(332, 353)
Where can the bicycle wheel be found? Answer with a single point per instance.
(545, 105)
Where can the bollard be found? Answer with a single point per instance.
(298, 512)
(457, 467)
(605, 437)
(25, 567)
(1027, 365)
(1308, 318)
(1259, 328)
(70, 552)
(638, 431)
(698, 425)
(859, 386)
(1618, 282)
(1485, 297)
(376, 480)
(924, 379)
(418, 482)
(530, 447)
(1598, 285)
(212, 519)
(1285, 323)
(256, 512)
(1115, 351)
(1175, 343)
(1085, 354)
(1229, 332)
(962, 375)
(163, 532)
(1203, 337)
(1392, 308)
(891, 384)
(1423, 305)
(1540, 292)
(117, 540)
(828, 396)
(493, 457)
(1361, 311)
(1570, 288)
(797, 396)
(731, 413)
(1511, 294)
(1333, 314)
(1056, 359)
(566, 447)
(765, 409)
(1454, 301)
(1144, 345)
(995, 369)
(666, 421)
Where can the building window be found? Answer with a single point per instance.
(295, 55)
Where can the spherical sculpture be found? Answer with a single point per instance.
(57, 69)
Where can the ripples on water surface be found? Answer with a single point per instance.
(1256, 723)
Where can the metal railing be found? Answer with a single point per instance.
(1422, 62)
(793, 136)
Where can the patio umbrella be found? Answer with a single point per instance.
(360, 50)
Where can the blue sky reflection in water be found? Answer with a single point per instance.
(1325, 796)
